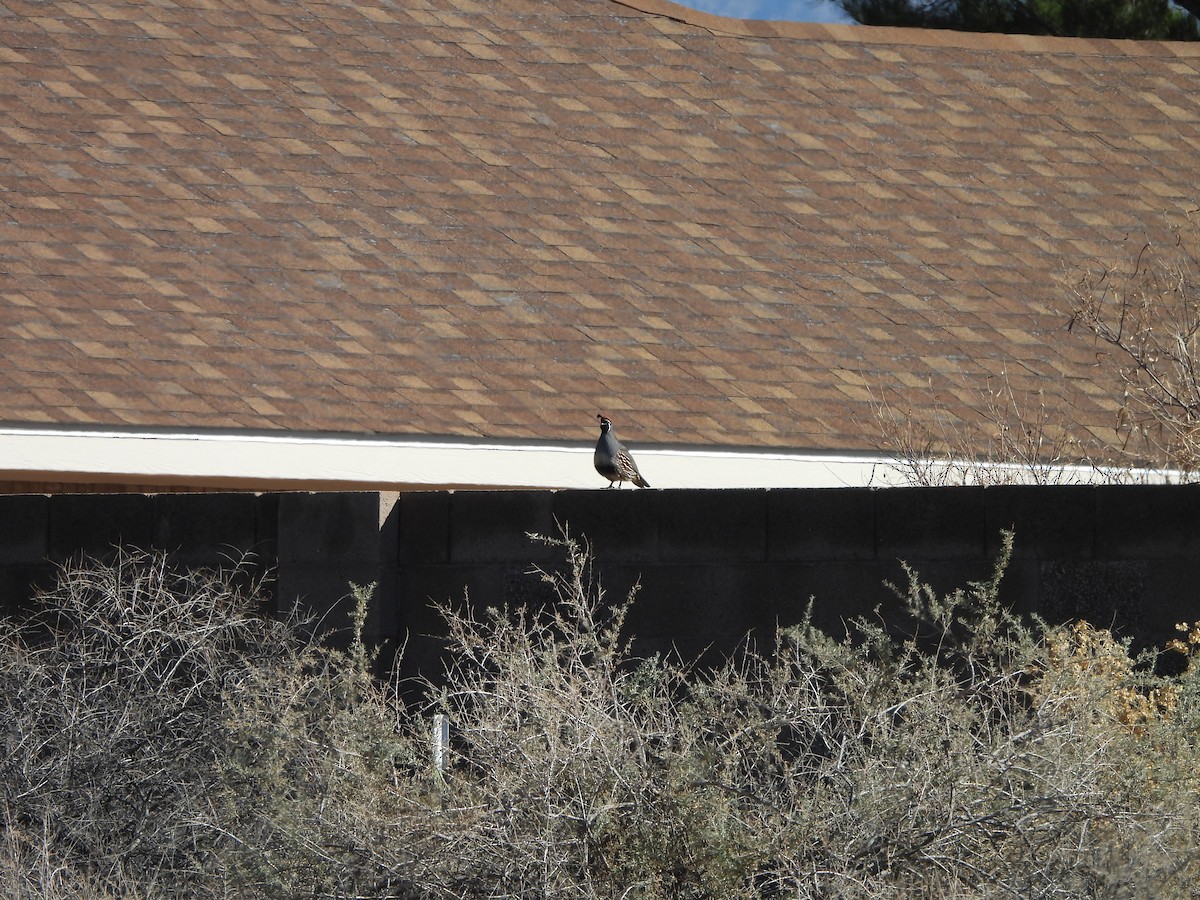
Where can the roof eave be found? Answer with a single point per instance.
(268, 461)
(297, 461)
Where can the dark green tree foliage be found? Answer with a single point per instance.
(1148, 20)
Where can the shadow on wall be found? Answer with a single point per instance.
(711, 565)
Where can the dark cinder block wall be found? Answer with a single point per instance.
(711, 565)
(714, 565)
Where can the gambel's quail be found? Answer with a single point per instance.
(613, 460)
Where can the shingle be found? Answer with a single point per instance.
(297, 216)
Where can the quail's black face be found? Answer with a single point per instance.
(605, 424)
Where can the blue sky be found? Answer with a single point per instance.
(791, 10)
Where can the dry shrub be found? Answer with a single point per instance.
(163, 739)
(1013, 437)
(953, 759)
(1142, 313)
(111, 694)
(1145, 316)
(574, 773)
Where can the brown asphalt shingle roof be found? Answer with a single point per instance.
(492, 219)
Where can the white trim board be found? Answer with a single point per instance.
(279, 461)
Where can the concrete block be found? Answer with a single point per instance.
(821, 524)
(462, 587)
(389, 527)
(1020, 585)
(617, 579)
(19, 584)
(421, 587)
(327, 541)
(842, 591)
(526, 588)
(422, 631)
(321, 594)
(946, 575)
(719, 604)
(383, 615)
(423, 527)
(329, 528)
(1048, 522)
(266, 529)
(619, 524)
(1147, 521)
(838, 591)
(474, 587)
(23, 529)
(1106, 593)
(423, 659)
(1170, 598)
(930, 523)
(712, 526)
(493, 526)
(94, 524)
(205, 529)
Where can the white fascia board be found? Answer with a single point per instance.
(151, 457)
(269, 461)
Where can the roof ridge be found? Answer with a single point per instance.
(918, 37)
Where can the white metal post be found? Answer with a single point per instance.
(441, 741)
